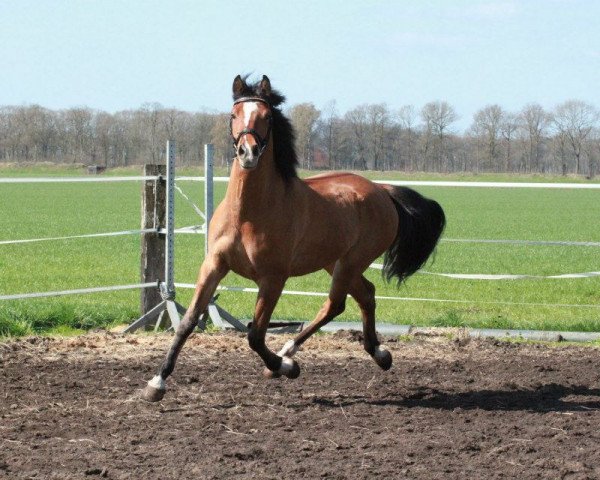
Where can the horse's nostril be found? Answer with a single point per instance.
(255, 150)
(241, 150)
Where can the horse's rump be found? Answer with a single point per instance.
(364, 208)
(352, 212)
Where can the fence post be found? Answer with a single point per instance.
(158, 212)
(209, 153)
(154, 194)
(169, 277)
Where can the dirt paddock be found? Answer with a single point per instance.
(447, 409)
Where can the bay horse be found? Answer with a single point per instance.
(272, 225)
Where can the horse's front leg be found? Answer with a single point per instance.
(269, 291)
(211, 273)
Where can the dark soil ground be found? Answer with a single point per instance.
(447, 409)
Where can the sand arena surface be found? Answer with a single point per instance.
(448, 408)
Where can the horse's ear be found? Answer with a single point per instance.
(265, 86)
(238, 86)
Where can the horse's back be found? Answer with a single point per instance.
(353, 208)
(336, 183)
(355, 191)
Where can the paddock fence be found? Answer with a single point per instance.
(153, 229)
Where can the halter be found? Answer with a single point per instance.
(262, 142)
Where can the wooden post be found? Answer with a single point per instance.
(158, 254)
(152, 263)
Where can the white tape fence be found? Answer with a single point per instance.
(201, 229)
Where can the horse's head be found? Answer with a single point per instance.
(251, 120)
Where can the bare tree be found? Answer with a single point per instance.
(171, 122)
(330, 133)
(80, 130)
(358, 126)
(5, 131)
(220, 138)
(534, 122)
(574, 121)
(378, 120)
(407, 117)
(508, 129)
(304, 118)
(437, 117)
(347, 151)
(487, 125)
(595, 152)
(104, 137)
(367, 136)
(17, 139)
(40, 132)
(149, 116)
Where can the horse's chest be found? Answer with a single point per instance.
(257, 254)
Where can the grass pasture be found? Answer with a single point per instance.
(53, 210)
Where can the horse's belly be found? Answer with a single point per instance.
(244, 270)
(313, 259)
(256, 259)
(306, 268)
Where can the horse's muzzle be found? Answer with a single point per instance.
(248, 155)
(248, 163)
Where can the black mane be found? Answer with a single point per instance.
(284, 152)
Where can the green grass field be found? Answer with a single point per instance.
(51, 210)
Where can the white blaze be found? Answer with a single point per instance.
(249, 109)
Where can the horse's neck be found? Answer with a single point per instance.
(253, 194)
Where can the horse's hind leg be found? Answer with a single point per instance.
(210, 275)
(333, 306)
(363, 292)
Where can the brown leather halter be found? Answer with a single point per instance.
(261, 141)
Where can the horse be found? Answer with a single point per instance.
(272, 225)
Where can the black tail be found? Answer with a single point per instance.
(421, 223)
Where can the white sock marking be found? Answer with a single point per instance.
(380, 353)
(289, 349)
(158, 383)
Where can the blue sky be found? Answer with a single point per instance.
(115, 55)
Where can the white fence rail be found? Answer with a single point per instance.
(75, 179)
(202, 229)
(436, 183)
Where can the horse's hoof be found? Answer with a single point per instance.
(270, 374)
(294, 371)
(383, 358)
(152, 394)
(289, 368)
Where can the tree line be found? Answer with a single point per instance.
(565, 140)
